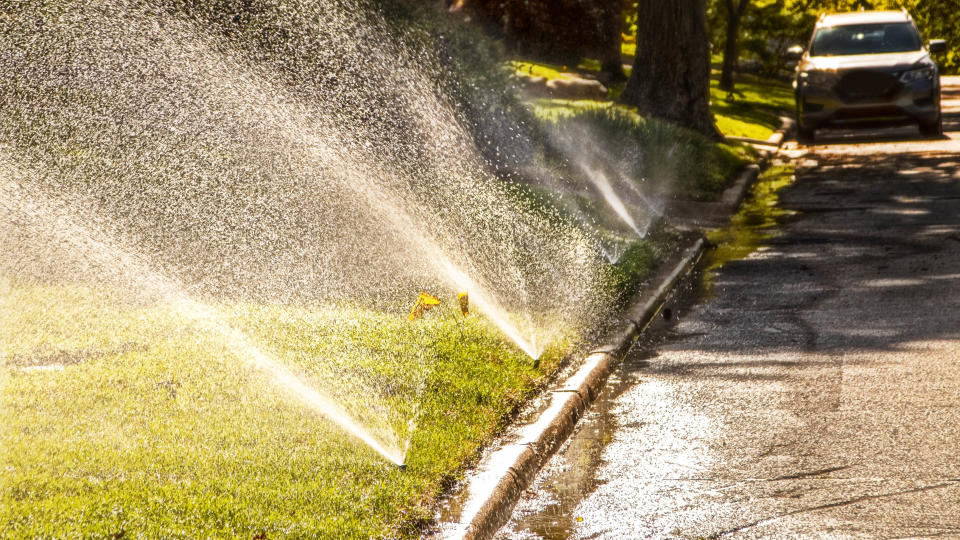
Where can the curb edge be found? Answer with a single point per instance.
(506, 473)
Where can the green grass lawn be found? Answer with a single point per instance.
(126, 418)
(697, 169)
(671, 160)
(753, 110)
(539, 69)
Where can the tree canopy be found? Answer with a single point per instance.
(768, 27)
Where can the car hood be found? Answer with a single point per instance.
(884, 62)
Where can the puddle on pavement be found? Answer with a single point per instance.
(569, 475)
(751, 226)
(548, 510)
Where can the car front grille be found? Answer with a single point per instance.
(859, 86)
(870, 112)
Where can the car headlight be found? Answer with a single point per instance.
(925, 73)
(815, 77)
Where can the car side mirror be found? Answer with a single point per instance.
(794, 53)
(937, 46)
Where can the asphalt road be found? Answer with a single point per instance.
(814, 392)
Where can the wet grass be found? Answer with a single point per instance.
(668, 159)
(122, 419)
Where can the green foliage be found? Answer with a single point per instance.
(562, 31)
(769, 27)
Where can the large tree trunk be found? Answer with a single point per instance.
(731, 50)
(671, 72)
(612, 57)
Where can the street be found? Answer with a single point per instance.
(813, 390)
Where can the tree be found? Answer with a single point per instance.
(731, 49)
(671, 71)
(611, 58)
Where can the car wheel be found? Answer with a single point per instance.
(806, 135)
(932, 129)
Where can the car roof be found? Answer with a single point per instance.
(863, 17)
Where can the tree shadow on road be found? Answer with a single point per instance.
(870, 261)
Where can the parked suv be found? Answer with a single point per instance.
(868, 67)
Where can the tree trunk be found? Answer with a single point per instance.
(731, 50)
(671, 72)
(612, 57)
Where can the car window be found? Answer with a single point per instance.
(866, 39)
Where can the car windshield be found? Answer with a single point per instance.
(866, 39)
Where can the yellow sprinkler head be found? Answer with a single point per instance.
(464, 300)
(425, 302)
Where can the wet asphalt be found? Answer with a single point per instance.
(812, 391)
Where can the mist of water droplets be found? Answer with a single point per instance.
(207, 166)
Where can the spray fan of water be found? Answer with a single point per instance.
(201, 176)
(603, 194)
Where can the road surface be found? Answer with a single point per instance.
(814, 392)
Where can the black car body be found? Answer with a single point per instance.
(867, 68)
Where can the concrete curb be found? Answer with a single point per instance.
(734, 196)
(697, 216)
(775, 140)
(786, 124)
(503, 476)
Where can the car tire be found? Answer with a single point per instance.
(932, 129)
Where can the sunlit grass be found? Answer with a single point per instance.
(555, 109)
(124, 418)
(674, 161)
(539, 69)
(754, 109)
